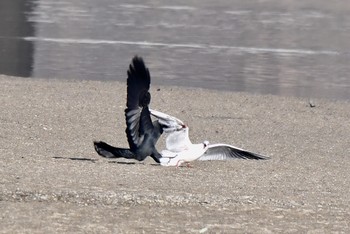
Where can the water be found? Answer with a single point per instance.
(268, 47)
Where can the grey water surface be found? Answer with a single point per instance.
(290, 48)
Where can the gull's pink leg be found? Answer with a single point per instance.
(179, 163)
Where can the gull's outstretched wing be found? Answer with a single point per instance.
(138, 119)
(178, 141)
(168, 122)
(177, 138)
(225, 152)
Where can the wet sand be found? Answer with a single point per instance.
(52, 181)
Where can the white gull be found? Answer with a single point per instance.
(179, 148)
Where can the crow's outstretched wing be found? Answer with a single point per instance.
(138, 119)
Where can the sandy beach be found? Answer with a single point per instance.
(52, 180)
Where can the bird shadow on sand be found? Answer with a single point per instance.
(133, 163)
(124, 163)
(93, 160)
(76, 159)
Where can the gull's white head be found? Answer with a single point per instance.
(205, 144)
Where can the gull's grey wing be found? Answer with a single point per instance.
(177, 138)
(138, 119)
(226, 152)
(168, 122)
(178, 141)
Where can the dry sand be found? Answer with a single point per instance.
(52, 181)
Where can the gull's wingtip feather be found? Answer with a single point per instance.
(227, 152)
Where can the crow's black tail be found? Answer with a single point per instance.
(108, 151)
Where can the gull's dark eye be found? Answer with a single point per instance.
(205, 143)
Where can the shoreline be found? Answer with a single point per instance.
(154, 88)
(50, 169)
